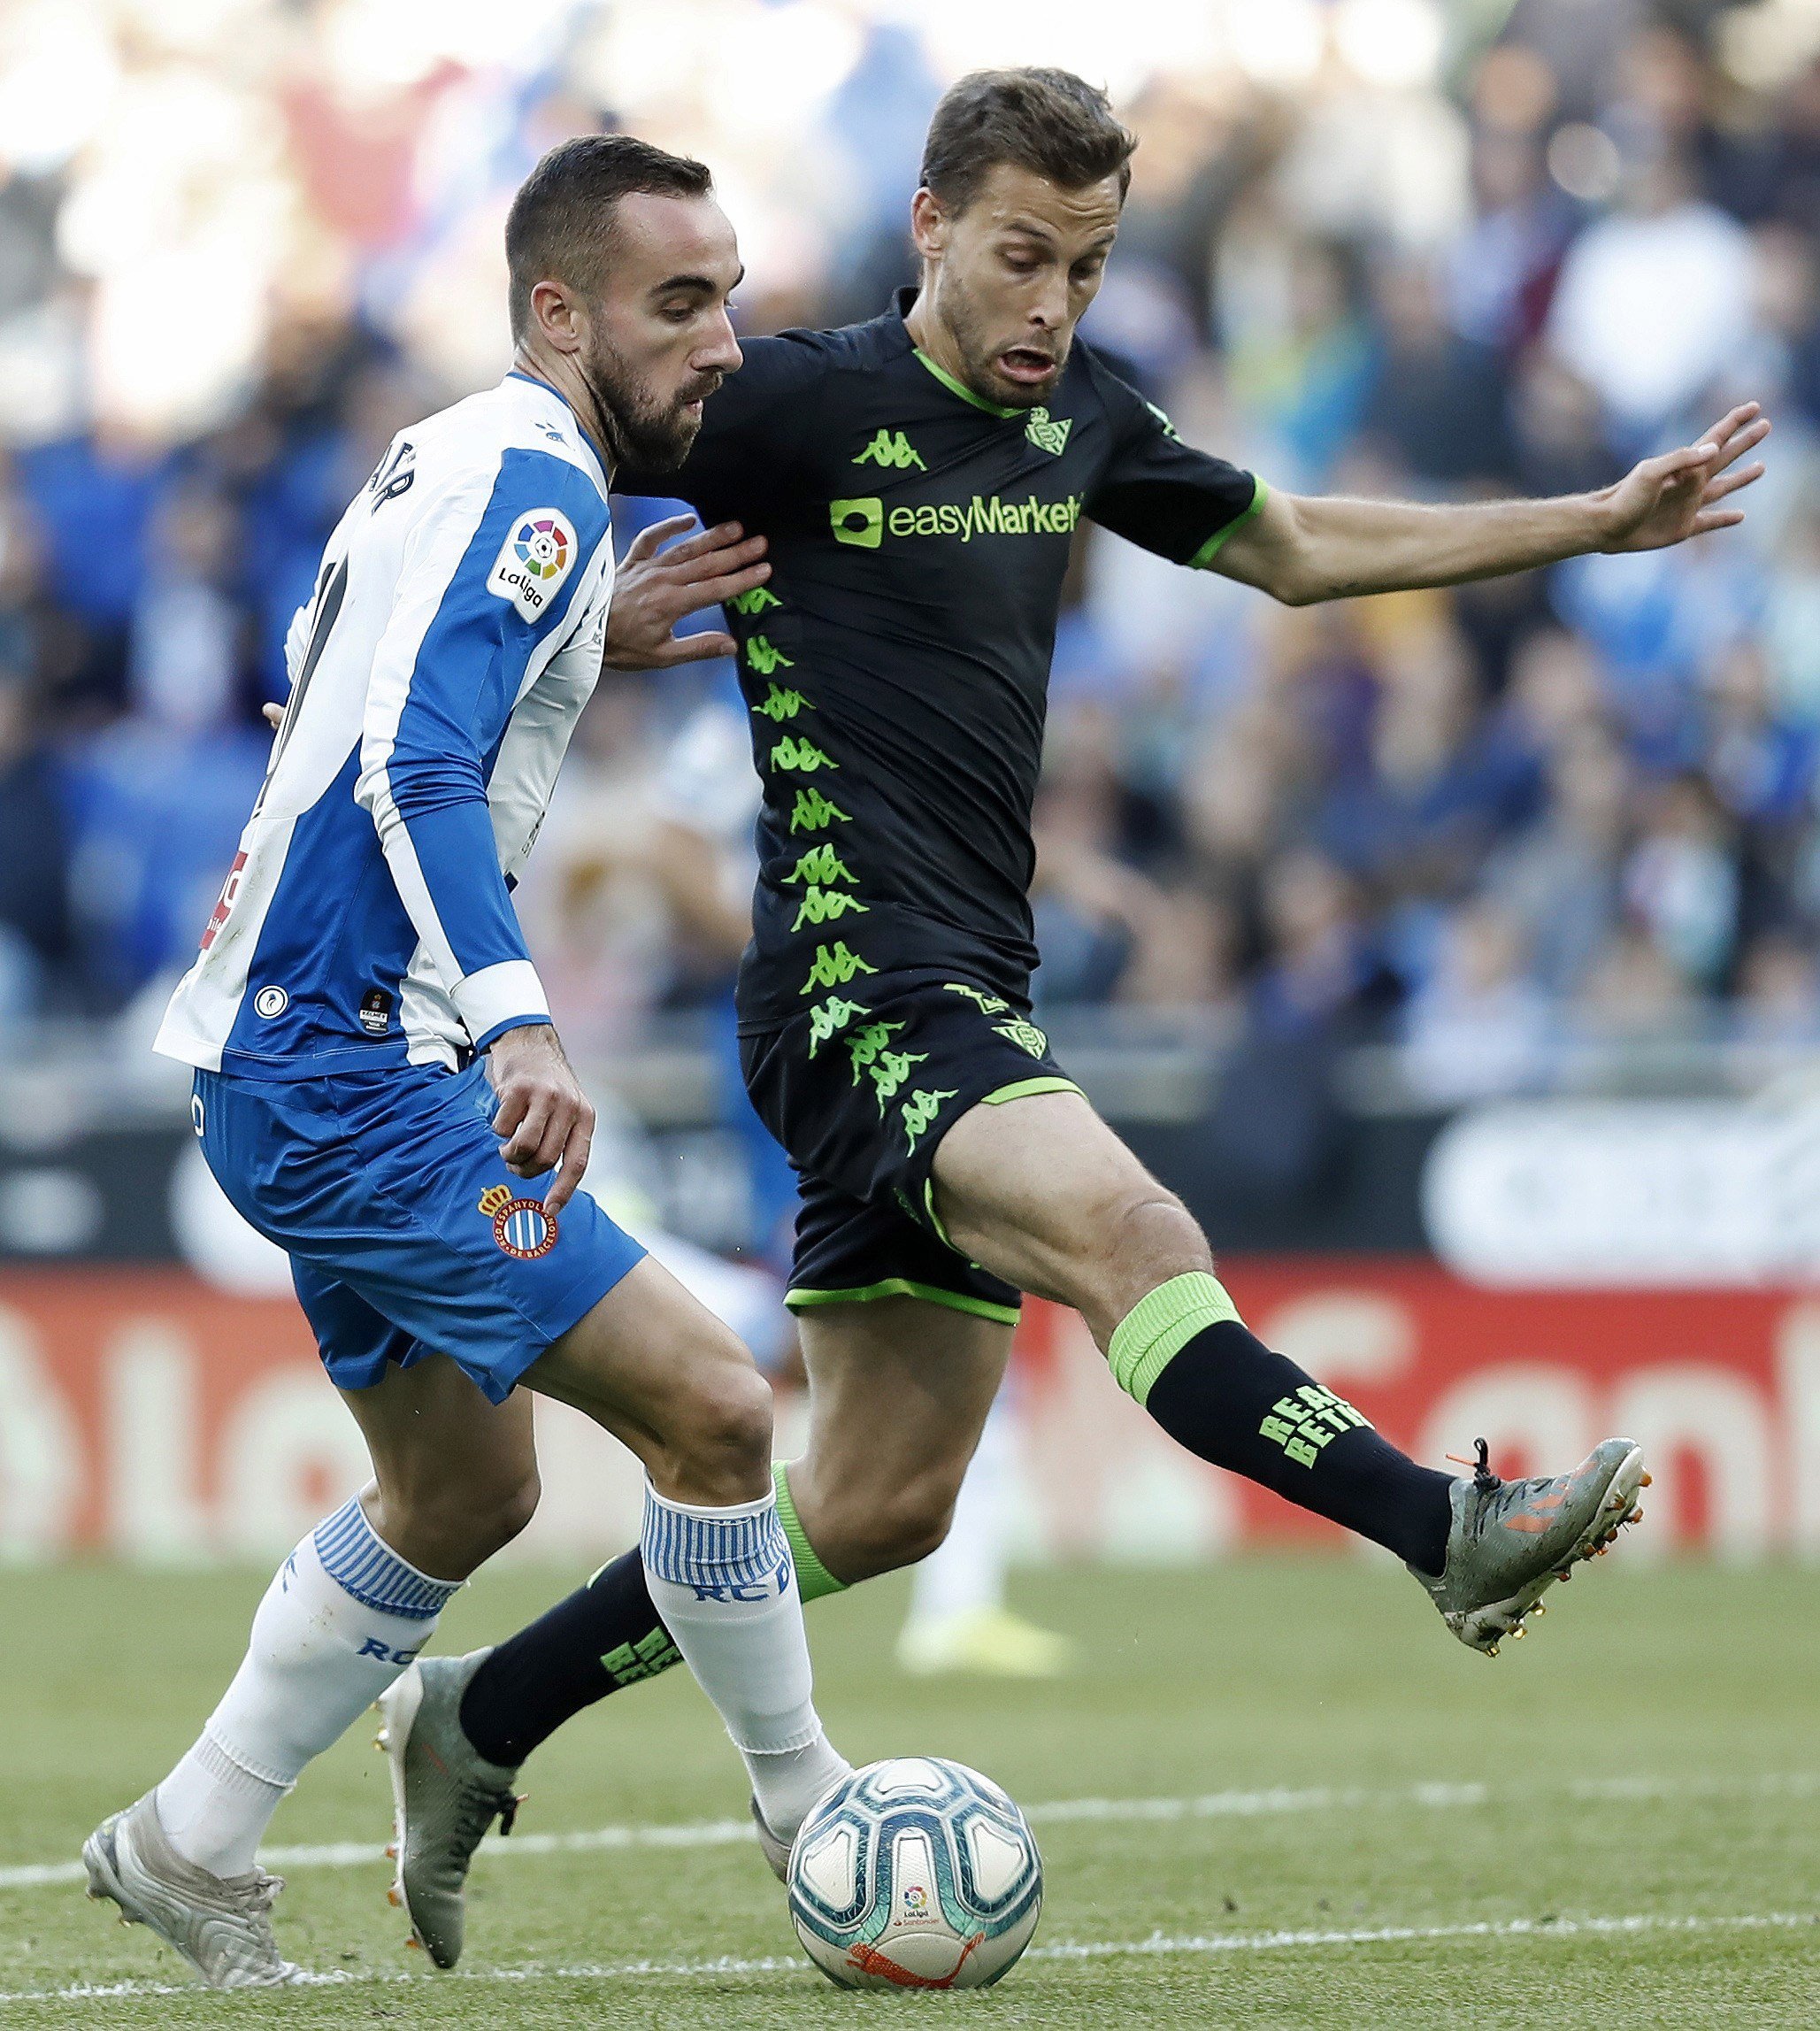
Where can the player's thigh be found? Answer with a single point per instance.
(899, 1389)
(653, 1365)
(1043, 1194)
(455, 1475)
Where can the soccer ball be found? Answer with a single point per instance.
(914, 1874)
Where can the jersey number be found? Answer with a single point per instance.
(328, 608)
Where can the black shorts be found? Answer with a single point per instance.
(860, 1091)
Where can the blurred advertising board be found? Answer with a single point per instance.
(147, 1414)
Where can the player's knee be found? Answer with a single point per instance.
(451, 1532)
(510, 1510)
(723, 1447)
(1151, 1227)
(1138, 1236)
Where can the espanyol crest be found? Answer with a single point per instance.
(521, 1227)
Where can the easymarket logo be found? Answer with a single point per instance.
(863, 524)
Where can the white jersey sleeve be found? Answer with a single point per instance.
(436, 676)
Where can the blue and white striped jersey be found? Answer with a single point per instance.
(436, 674)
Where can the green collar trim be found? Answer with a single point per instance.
(961, 389)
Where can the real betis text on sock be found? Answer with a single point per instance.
(1185, 1354)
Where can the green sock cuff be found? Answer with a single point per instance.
(813, 1579)
(1157, 1328)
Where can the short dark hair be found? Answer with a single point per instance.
(561, 222)
(1045, 120)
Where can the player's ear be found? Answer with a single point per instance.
(553, 313)
(929, 224)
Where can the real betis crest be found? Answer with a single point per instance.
(1047, 434)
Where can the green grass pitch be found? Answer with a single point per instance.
(1389, 1831)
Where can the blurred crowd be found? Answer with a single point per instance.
(1378, 246)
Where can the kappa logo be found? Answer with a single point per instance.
(534, 560)
(892, 449)
(765, 656)
(521, 1227)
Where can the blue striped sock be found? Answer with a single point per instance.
(713, 1551)
(725, 1585)
(362, 1563)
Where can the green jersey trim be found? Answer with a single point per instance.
(1210, 549)
(1022, 1088)
(965, 392)
(935, 1218)
(902, 1286)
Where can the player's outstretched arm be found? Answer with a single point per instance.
(654, 588)
(1302, 549)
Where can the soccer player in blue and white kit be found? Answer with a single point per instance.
(377, 1078)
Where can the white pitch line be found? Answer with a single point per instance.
(1209, 1806)
(1158, 1946)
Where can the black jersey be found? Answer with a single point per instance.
(896, 663)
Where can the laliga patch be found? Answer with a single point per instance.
(521, 1227)
(534, 560)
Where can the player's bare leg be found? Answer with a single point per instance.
(455, 1480)
(899, 1390)
(1042, 1193)
(653, 1367)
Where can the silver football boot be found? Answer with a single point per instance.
(774, 1847)
(1511, 1541)
(445, 1799)
(221, 1925)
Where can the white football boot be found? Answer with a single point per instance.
(221, 1925)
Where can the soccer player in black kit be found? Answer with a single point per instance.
(891, 510)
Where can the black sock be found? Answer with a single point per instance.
(604, 1636)
(1226, 1396)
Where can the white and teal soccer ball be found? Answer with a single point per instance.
(914, 1874)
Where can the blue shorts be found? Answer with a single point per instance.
(407, 1234)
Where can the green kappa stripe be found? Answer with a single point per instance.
(965, 392)
(1022, 1088)
(1210, 550)
(813, 1579)
(1157, 1328)
(933, 1217)
(902, 1286)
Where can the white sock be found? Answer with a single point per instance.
(343, 1619)
(724, 1583)
(966, 1572)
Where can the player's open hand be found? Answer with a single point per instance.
(542, 1113)
(654, 588)
(1666, 500)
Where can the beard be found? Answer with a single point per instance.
(968, 325)
(642, 431)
